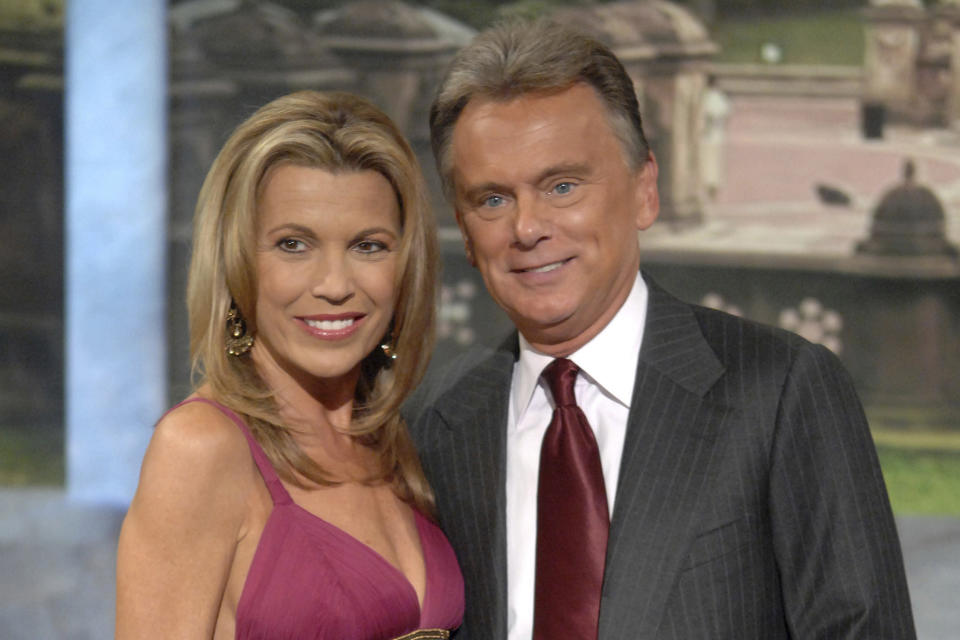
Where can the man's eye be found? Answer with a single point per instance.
(291, 245)
(563, 188)
(493, 201)
(370, 246)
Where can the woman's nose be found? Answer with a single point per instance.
(333, 279)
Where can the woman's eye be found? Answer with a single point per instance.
(291, 245)
(369, 246)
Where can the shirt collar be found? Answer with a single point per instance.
(609, 359)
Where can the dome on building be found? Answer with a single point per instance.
(241, 34)
(374, 19)
(381, 26)
(908, 221)
(643, 30)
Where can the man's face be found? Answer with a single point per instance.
(549, 210)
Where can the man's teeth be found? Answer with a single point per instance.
(330, 325)
(547, 267)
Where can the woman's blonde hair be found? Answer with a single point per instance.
(335, 132)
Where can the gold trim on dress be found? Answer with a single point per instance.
(426, 634)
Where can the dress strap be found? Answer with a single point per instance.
(277, 491)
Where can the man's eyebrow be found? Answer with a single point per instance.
(487, 187)
(565, 169)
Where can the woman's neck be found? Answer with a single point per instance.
(318, 411)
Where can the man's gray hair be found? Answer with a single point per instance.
(514, 58)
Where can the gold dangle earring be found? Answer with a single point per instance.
(389, 346)
(239, 341)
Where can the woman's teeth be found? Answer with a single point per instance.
(330, 325)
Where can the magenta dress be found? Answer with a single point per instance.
(312, 580)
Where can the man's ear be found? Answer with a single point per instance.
(646, 194)
(467, 244)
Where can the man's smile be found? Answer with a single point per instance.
(546, 268)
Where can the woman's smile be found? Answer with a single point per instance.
(333, 327)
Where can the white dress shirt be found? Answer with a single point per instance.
(604, 388)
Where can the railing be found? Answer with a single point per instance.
(799, 80)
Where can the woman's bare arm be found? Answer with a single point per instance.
(179, 536)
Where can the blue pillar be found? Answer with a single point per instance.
(116, 160)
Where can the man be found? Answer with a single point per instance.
(724, 474)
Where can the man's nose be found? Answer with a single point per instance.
(333, 278)
(530, 222)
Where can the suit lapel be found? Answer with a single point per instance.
(668, 459)
(472, 497)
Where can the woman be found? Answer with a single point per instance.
(284, 499)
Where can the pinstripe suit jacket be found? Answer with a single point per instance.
(750, 502)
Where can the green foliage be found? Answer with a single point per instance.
(924, 433)
(525, 9)
(31, 457)
(827, 37)
(308, 7)
(31, 15)
(922, 482)
(481, 14)
(475, 14)
(734, 8)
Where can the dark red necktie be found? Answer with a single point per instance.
(572, 518)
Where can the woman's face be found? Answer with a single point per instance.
(326, 257)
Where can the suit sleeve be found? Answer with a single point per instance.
(834, 535)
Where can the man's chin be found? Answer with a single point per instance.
(548, 330)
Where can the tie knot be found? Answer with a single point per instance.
(561, 374)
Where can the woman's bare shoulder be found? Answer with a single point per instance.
(182, 529)
(196, 477)
(197, 454)
(200, 433)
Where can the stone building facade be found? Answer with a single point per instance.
(912, 60)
